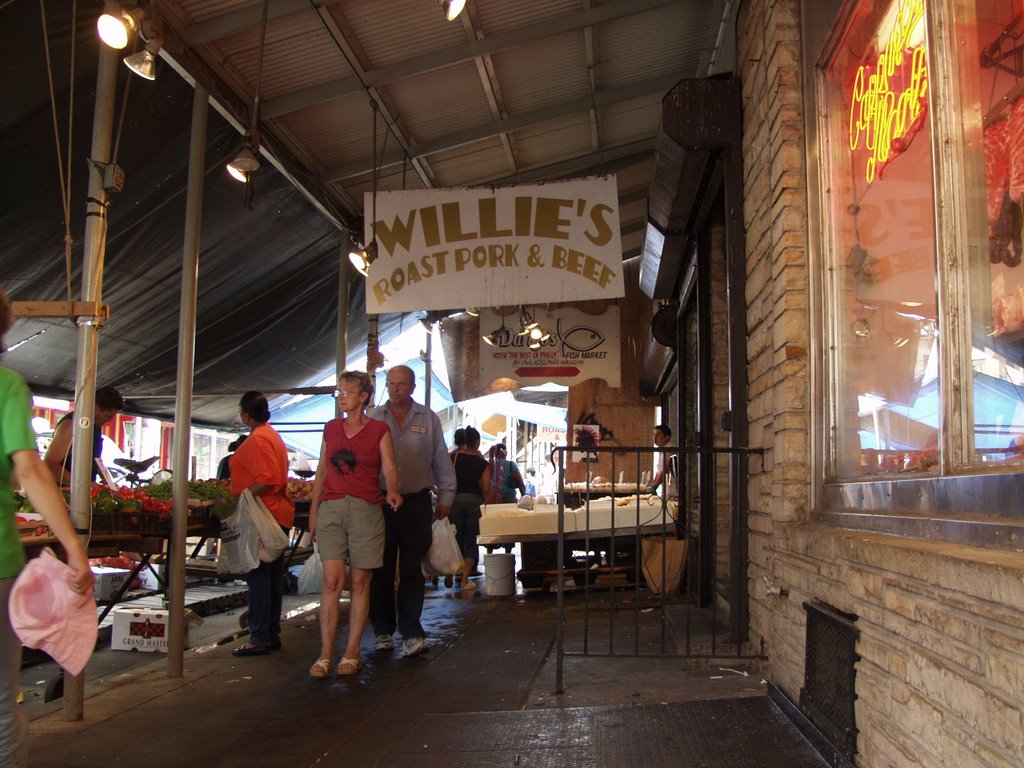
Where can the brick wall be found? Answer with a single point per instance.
(941, 680)
(777, 322)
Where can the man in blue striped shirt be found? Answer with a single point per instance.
(423, 466)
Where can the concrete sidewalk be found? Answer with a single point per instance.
(467, 701)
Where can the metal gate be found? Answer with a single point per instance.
(652, 574)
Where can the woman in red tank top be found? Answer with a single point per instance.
(346, 516)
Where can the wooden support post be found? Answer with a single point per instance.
(70, 309)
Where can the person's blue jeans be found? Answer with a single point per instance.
(266, 593)
(407, 537)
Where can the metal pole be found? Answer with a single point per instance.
(428, 371)
(186, 368)
(88, 328)
(560, 566)
(344, 286)
(373, 356)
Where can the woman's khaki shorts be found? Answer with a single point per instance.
(353, 528)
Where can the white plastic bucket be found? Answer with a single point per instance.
(500, 574)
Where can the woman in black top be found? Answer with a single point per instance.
(472, 473)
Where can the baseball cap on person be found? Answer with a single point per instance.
(48, 614)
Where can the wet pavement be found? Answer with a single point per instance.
(482, 695)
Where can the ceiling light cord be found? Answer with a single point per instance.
(255, 116)
(363, 256)
(246, 162)
(358, 72)
(64, 177)
(376, 171)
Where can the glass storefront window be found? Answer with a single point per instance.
(991, 33)
(881, 282)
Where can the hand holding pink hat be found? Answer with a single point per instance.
(48, 613)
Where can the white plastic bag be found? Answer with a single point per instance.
(272, 538)
(444, 556)
(311, 577)
(239, 541)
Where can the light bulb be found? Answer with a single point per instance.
(116, 24)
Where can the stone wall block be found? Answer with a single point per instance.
(922, 716)
(950, 621)
(1005, 673)
(948, 688)
(1004, 725)
(882, 743)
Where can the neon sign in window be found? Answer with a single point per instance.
(890, 96)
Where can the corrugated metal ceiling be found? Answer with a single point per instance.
(510, 91)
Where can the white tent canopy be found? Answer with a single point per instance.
(504, 404)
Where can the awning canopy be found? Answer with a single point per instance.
(268, 275)
(504, 404)
(510, 93)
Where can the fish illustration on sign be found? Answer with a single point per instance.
(579, 338)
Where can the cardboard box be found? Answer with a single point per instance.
(108, 581)
(141, 629)
(148, 580)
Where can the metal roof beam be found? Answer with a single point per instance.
(238, 21)
(355, 57)
(590, 43)
(489, 81)
(655, 86)
(463, 52)
(606, 161)
(635, 196)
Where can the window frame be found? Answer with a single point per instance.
(966, 502)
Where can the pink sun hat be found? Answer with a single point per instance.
(48, 614)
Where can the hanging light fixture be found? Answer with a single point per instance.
(143, 63)
(537, 338)
(494, 337)
(536, 335)
(362, 258)
(246, 162)
(116, 26)
(452, 8)
(117, 23)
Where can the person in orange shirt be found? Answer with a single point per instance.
(261, 465)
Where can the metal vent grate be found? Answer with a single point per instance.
(829, 690)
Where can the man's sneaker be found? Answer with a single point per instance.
(385, 643)
(414, 646)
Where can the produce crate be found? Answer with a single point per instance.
(101, 522)
(110, 522)
(201, 520)
(120, 523)
(151, 524)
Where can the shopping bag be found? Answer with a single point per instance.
(444, 556)
(239, 540)
(272, 538)
(311, 577)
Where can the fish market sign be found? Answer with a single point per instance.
(490, 247)
(580, 347)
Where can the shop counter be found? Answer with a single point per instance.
(599, 539)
